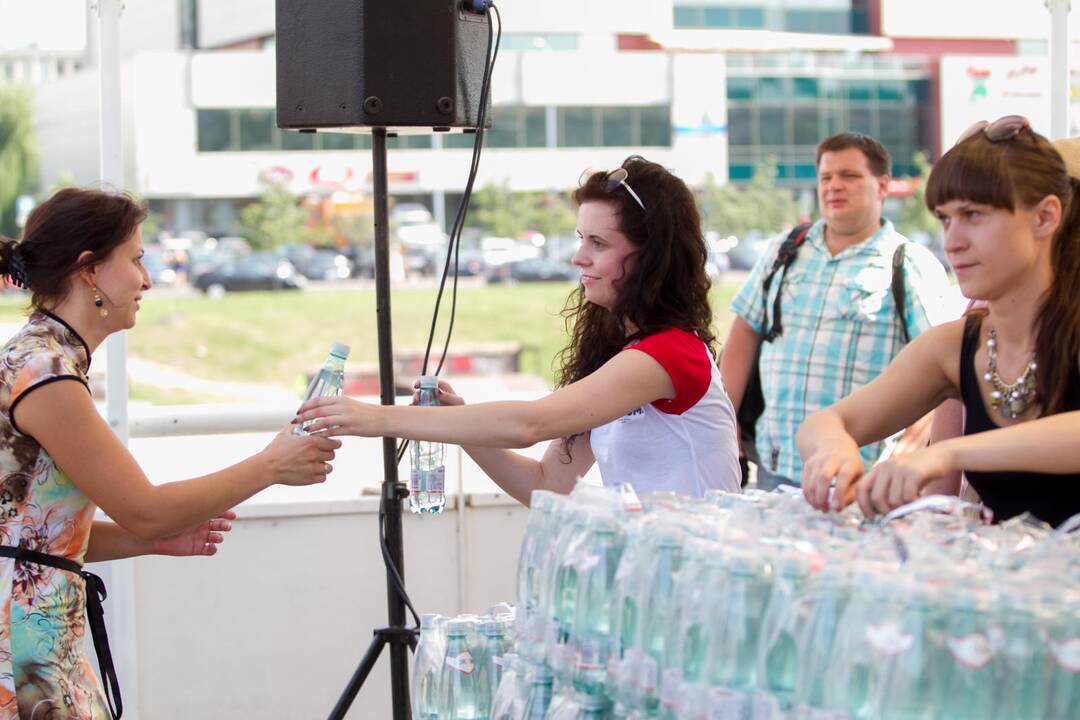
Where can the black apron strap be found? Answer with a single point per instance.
(95, 615)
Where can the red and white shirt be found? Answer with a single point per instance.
(686, 445)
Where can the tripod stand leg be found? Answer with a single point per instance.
(396, 634)
(361, 673)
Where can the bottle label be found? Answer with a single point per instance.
(588, 657)
(1067, 654)
(414, 480)
(462, 662)
(588, 562)
(974, 651)
(888, 639)
(436, 480)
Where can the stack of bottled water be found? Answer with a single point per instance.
(757, 607)
(459, 663)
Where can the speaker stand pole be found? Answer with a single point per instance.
(396, 635)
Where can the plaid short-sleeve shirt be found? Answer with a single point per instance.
(840, 330)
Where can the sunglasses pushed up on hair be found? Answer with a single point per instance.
(612, 180)
(1001, 130)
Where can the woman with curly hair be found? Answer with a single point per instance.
(638, 391)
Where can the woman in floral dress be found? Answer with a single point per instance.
(80, 258)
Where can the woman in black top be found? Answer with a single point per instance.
(1009, 202)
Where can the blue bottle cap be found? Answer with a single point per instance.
(340, 349)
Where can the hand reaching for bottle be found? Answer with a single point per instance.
(299, 459)
(202, 539)
(446, 395)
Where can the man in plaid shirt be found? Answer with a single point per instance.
(840, 326)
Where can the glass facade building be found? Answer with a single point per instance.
(514, 126)
(780, 108)
(838, 17)
(781, 104)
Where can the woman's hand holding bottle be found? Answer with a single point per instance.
(299, 459)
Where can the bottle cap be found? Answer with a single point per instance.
(429, 382)
(340, 349)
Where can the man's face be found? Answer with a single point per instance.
(849, 193)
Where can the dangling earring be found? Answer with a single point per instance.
(100, 304)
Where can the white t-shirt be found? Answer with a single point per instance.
(686, 445)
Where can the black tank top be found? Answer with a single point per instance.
(1053, 498)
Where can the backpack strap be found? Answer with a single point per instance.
(899, 290)
(784, 257)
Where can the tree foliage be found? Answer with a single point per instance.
(756, 206)
(496, 210)
(354, 228)
(914, 215)
(18, 153)
(152, 226)
(278, 218)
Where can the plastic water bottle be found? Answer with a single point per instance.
(427, 482)
(536, 706)
(427, 668)
(592, 622)
(458, 686)
(490, 665)
(328, 382)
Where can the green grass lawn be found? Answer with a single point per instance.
(276, 338)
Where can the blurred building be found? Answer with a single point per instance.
(703, 86)
(42, 45)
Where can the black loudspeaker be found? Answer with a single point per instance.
(379, 63)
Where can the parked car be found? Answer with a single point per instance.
(533, 270)
(327, 265)
(470, 263)
(410, 213)
(745, 253)
(362, 259)
(205, 258)
(420, 260)
(158, 263)
(717, 264)
(316, 263)
(257, 271)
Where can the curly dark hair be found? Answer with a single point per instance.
(667, 286)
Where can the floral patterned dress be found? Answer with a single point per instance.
(44, 673)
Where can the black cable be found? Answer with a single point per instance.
(454, 244)
(463, 206)
(395, 576)
(477, 147)
(452, 250)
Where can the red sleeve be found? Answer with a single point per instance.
(686, 361)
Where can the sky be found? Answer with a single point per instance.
(45, 24)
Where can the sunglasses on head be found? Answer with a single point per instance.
(1001, 130)
(617, 177)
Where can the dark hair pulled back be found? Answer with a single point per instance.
(72, 221)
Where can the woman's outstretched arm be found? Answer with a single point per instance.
(626, 382)
(61, 416)
(518, 475)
